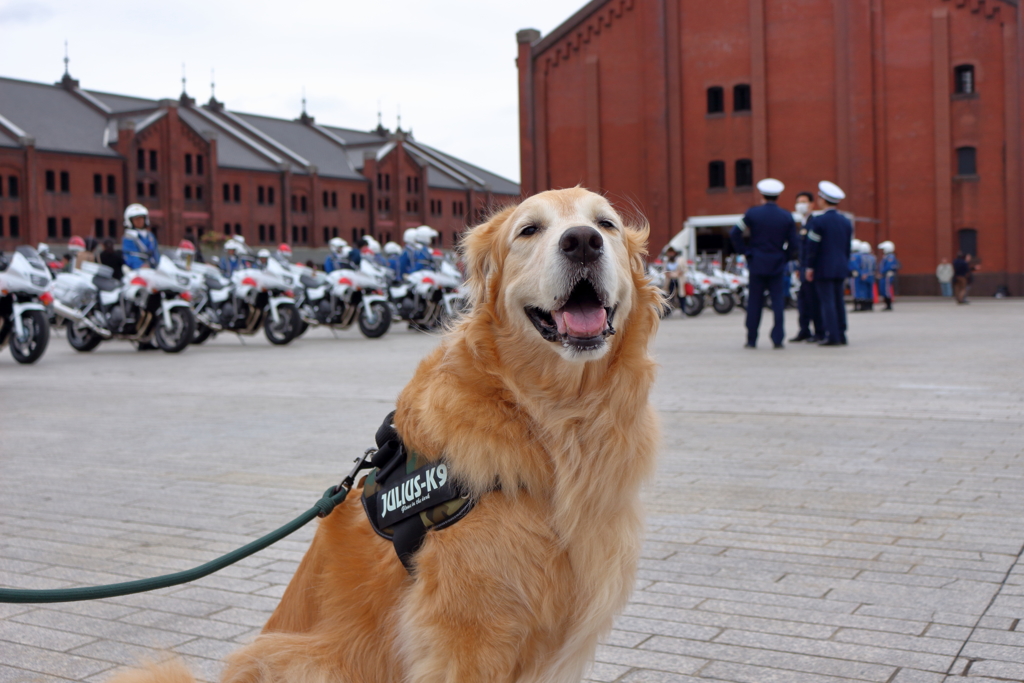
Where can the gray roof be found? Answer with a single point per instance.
(57, 120)
(231, 151)
(77, 120)
(122, 103)
(327, 155)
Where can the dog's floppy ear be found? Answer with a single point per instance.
(478, 250)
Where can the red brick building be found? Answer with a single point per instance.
(679, 106)
(72, 159)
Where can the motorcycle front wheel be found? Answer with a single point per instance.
(287, 327)
(381, 324)
(725, 303)
(183, 329)
(37, 334)
(693, 304)
(81, 337)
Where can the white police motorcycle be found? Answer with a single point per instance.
(343, 296)
(150, 306)
(259, 296)
(24, 280)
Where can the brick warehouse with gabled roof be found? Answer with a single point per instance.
(679, 106)
(71, 160)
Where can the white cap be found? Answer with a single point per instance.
(392, 248)
(865, 248)
(425, 233)
(887, 247)
(263, 253)
(231, 245)
(830, 192)
(770, 187)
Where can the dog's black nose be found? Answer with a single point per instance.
(581, 244)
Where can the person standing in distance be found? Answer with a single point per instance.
(765, 235)
(807, 297)
(828, 259)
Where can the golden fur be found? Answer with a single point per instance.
(521, 589)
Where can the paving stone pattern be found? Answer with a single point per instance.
(820, 515)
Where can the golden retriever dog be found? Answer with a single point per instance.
(538, 401)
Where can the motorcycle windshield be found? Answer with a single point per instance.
(32, 256)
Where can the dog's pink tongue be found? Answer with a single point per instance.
(580, 320)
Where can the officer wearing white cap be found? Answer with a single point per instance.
(887, 272)
(828, 260)
(765, 235)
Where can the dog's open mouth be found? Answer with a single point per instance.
(581, 322)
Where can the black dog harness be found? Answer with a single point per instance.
(405, 494)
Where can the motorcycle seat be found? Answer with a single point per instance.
(106, 284)
(309, 281)
(213, 283)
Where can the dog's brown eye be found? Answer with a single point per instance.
(606, 224)
(528, 230)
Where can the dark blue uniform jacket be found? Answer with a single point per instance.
(828, 245)
(770, 234)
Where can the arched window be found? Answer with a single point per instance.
(963, 79)
(744, 173)
(716, 174)
(966, 161)
(716, 100)
(741, 97)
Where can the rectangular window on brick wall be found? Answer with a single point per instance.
(227, 229)
(65, 182)
(238, 194)
(140, 190)
(362, 202)
(97, 183)
(199, 164)
(327, 234)
(270, 199)
(295, 234)
(14, 226)
(238, 228)
(152, 190)
(302, 203)
(305, 234)
(227, 192)
(188, 164)
(65, 227)
(1, 226)
(272, 233)
(12, 187)
(51, 226)
(152, 160)
(141, 160)
(111, 185)
(260, 195)
(716, 100)
(98, 227)
(327, 200)
(188, 192)
(334, 200)
(199, 192)
(111, 228)
(51, 181)
(966, 161)
(744, 173)
(263, 232)
(741, 97)
(716, 174)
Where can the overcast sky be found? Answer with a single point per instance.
(448, 64)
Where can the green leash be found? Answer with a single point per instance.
(331, 498)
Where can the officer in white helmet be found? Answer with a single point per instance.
(415, 256)
(828, 260)
(138, 245)
(392, 253)
(887, 269)
(262, 258)
(340, 256)
(864, 278)
(766, 236)
(232, 260)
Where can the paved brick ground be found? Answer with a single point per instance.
(820, 515)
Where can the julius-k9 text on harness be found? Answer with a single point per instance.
(405, 494)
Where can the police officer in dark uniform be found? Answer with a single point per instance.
(828, 259)
(807, 297)
(765, 235)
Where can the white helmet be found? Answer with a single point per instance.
(410, 236)
(373, 244)
(337, 245)
(263, 253)
(887, 247)
(134, 210)
(425, 233)
(232, 245)
(393, 248)
(865, 248)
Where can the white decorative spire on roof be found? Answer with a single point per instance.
(66, 60)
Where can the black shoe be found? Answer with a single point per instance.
(779, 346)
(830, 343)
(800, 338)
(748, 345)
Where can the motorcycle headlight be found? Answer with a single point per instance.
(38, 280)
(182, 280)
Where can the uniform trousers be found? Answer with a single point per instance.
(833, 309)
(810, 311)
(776, 286)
